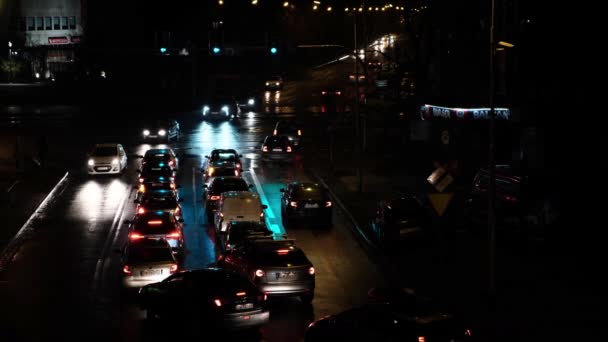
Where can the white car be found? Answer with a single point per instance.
(107, 159)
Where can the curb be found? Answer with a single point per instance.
(13, 246)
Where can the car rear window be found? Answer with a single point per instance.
(224, 172)
(160, 202)
(149, 254)
(223, 185)
(272, 258)
(151, 226)
(223, 156)
(287, 127)
(308, 193)
(276, 140)
(107, 151)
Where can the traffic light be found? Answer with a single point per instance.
(274, 50)
(216, 42)
(216, 49)
(163, 50)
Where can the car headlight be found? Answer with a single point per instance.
(206, 110)
(146, 132)
(162, 132)
(251, 102)
(267, 83)
(225, 109)
(91, 162)
(277, 83)
(115, 161)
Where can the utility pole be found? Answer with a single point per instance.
(492, 169)
(358, 150)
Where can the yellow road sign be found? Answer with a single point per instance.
(440, 202)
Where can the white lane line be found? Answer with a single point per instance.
(269, 213)
(12, 247)
(10, 188)
(194, 209)
(110, 240)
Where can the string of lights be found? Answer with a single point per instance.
(333, 6)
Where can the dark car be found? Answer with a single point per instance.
(384, 322)
(160, 157)
(160, 200)
(237, 232)
(160, 130)
(306, 200)
(157, 185)
(277, 267)
(398, 219)
(158, 225)
(214, 190)
(220, 169)
(212, 298)
(223, 155)
(221, 107)
(156, 173)
(291, 129)
(277, 147)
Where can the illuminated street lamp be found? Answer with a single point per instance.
(220, 2)
(286, 4)
(254, 2)
(328, 8)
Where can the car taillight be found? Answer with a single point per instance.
(259, 273)
(171, 163)
(126, 270)
(238, 165)
(338, 93)
(135, 236)
(421, 339)
(311, 270)
(265, 296)
(264, 148)
(177, 211)
(174, 235)
(236, 173)
(282, 251)
(214, 198)
(141, 210)
(274, 132)
(240, 294)
(293, 204)
(142, 188)
(328, 204)
(262, 214)
(173, 268)
(172, 186)
(155, 222)
(288, 148)
(141, 180)
(299, 132)
(323, 93)
(211, 171)
(218, 303)
(222, 215)
(468, 332)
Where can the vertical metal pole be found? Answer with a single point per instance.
(357, 118)
(492, 171)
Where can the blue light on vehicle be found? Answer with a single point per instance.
(161, 164)
(159, 212)
(161, 178)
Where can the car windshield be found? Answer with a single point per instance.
(308, 192)
(105, 151)
(149, 254)
(223, 184)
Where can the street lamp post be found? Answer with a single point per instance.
(358, 150)
(10, 52)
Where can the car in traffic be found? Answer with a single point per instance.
(274, 83)
(292, 129)
(156, 185)
(221, 169)
(221, 107)
(158, 225)
(277, 267)
(238, 206)
(237, 232)
(160, 200)
(107, 159)
(277, 148)
(384, 322)
(403, 218)
(222, 155)
(160, 157)
(160, 130)
(147, 261)
(156, 173)
(219, 185)
(211, 298)
(304, 200)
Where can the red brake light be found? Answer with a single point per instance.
(142, 188)
(174, 235)
(171, 162)
(238, 165)
(240, 294)
(141, 180)
(299, 132)
(236, 172)
(264, 148)
(265, 296)
(214, 198)
(126, 270)
(173, 268)
(218, 303)
(328, 204)
(259, 273)
(421, 339)
(274, 132)
(135, 236)
(293, 204)
(155, 222)
(338, 93)
(172, 185)
(282, 251)
(288, 148)
(468, 332)
(323, 92)
(141, 210)
(311, 270)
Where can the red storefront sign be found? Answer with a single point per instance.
(58, 40)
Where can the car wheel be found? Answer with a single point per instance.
(307, 298)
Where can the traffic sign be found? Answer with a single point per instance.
(440, 202)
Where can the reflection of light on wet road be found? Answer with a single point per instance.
(211, 135)
(94, 197)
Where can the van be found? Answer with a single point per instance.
(238, 206)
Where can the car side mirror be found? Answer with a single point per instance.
(136, 201)
(282, 190)
(180, 200)
(264, 206)
(126, 222)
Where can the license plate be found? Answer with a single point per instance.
(103, 168)
(151, 272)
(277, 150)
(157, 184)
(284, 275)
(311, 205)
(244, 306)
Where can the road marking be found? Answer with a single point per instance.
(11, 249)
(10, 188)
(110, 240)
(269, 213)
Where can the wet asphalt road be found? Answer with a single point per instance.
(64, 282)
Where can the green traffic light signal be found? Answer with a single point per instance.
(216, 50)
(163, 49)
(273, 50)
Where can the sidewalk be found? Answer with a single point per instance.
(454, 268)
